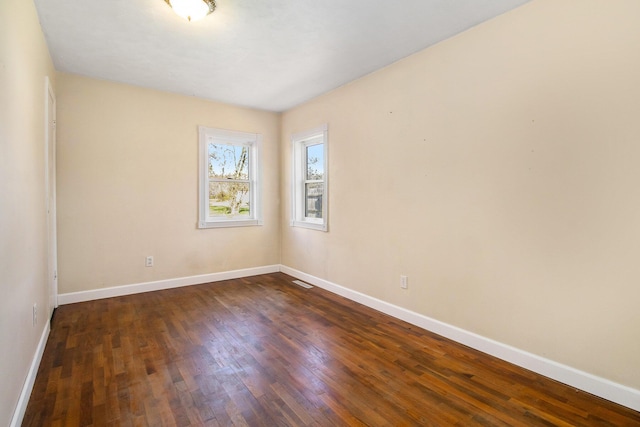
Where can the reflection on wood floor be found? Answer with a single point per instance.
(262, 351)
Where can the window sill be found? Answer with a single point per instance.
(311, 225)
(229, 223)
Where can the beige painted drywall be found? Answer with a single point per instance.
(24, 63)
(128, 182)
(499, 171)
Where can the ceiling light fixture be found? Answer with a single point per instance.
(192, 10)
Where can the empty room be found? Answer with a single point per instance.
(302, 213)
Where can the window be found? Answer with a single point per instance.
(229, 179)
(310, 194)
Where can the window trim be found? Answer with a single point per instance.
(254, 142)
(300, 141)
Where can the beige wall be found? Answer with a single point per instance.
(499, 171)
(128, 182)
(24, 63)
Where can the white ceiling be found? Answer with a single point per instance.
(266, 54)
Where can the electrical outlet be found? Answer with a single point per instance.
(35, 314)
(404, 282)
(148, 261)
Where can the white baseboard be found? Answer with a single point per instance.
(116, 291)
(598, 386)
(27, 388)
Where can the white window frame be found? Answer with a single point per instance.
(300, 141)
(229, 137)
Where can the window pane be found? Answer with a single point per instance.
(315, 161)
(313, 199)
(228, 161)
(229, 199)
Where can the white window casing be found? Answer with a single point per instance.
(310, 179)
(240, 205)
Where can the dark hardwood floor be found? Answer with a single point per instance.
(262, 351)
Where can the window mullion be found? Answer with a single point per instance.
(246, 181)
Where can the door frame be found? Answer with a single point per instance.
(50, 195)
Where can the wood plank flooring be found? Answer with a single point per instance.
(263, 351)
